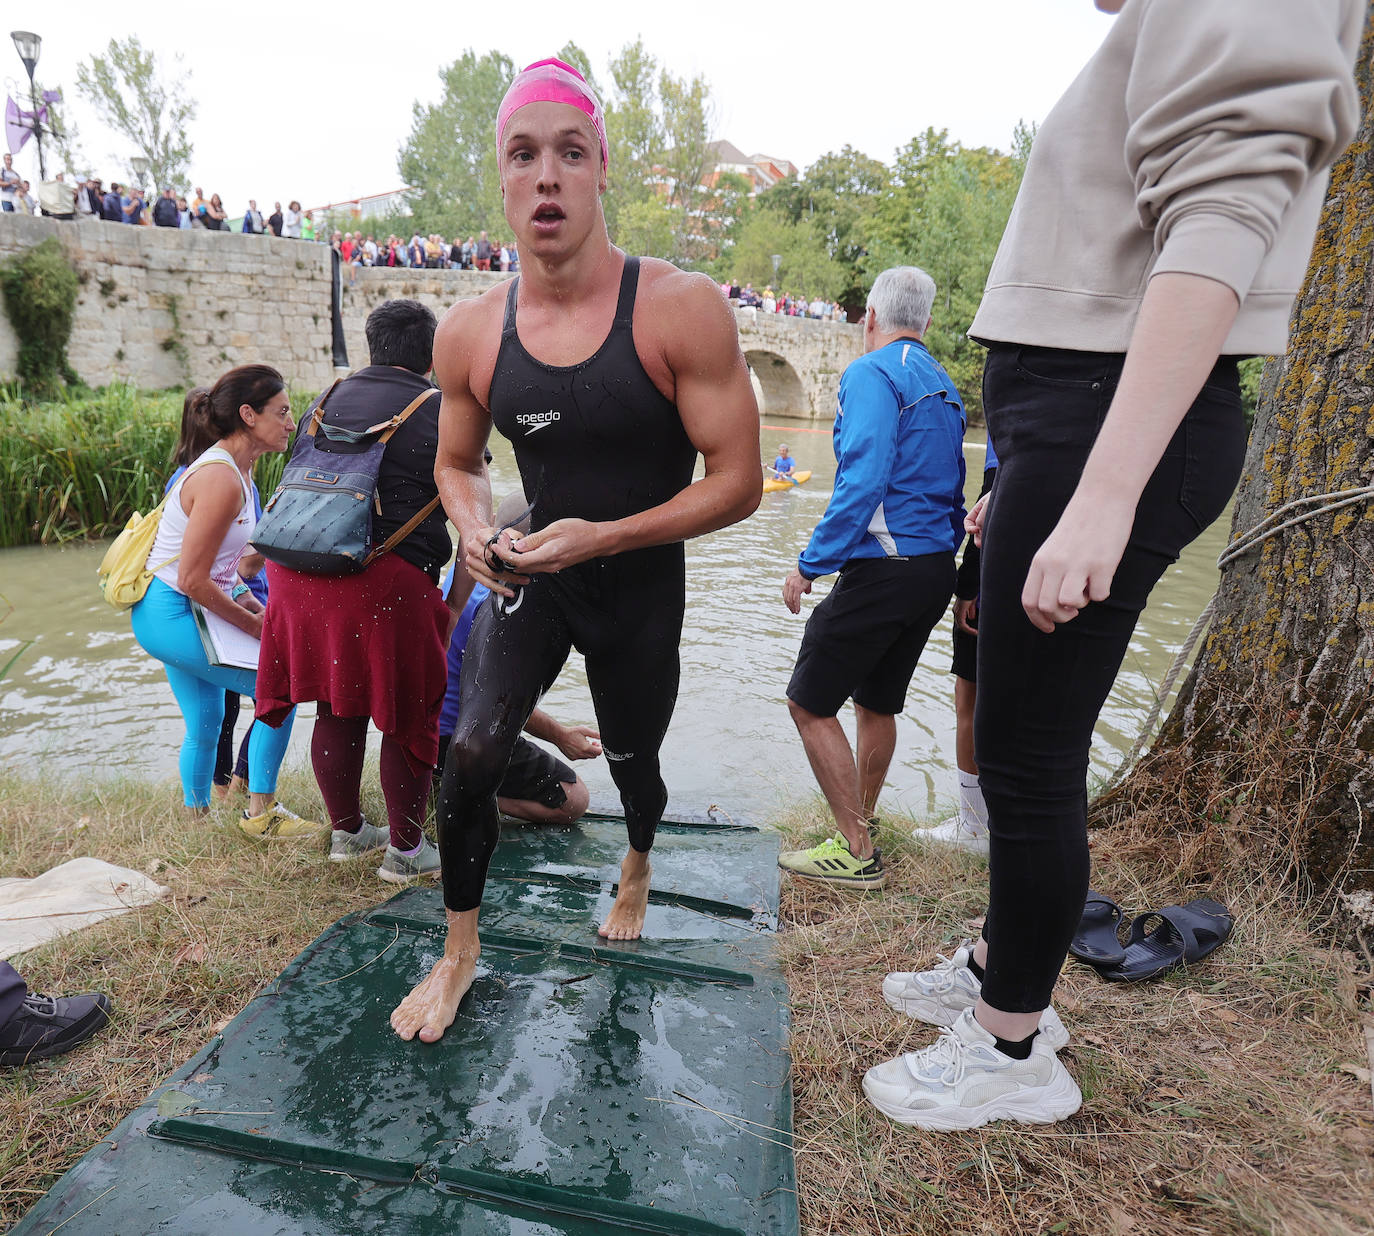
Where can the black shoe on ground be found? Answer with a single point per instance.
(47, 1026)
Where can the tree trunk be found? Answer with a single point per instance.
(1268, 754)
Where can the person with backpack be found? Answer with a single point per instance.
(371, 644)
(204, 530)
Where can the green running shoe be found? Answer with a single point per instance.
(832, 863)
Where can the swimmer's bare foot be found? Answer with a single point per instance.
(626, 919)
(432, 1005)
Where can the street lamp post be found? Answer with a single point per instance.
(140, 166)
(28, 46)
(777, 261)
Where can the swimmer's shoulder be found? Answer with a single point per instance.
(468, 338)
(676, 306)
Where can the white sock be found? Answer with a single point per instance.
(973, 811)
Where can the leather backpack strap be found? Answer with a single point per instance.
(403, 531)
(317, 416)
(400, 418)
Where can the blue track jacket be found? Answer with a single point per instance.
(899, 475)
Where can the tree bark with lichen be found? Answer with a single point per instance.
(1268, 753)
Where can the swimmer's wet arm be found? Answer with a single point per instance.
(460, 470)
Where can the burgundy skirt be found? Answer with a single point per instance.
(368, 645)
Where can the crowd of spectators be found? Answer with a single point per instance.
(91, 199)
(786, 303)
(432, 252)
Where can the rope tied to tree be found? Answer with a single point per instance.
(1244, 544)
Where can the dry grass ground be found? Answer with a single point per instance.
(1215, 1102)
(1231, 1099)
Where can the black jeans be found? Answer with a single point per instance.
(1039, 695)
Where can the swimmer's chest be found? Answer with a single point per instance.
(607, 402)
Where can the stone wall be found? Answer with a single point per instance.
(161, 307)
(167, 308)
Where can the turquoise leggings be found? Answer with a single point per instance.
(165, 629)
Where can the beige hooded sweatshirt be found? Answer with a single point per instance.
(1197, 139)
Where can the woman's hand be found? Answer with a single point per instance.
(1076, 563)
(973, 521)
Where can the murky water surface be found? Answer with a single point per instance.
(83, 700)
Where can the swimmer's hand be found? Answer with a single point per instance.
(488, 560)
(1076, 563)
(580, 742)
(792, 588)
(973, 521)
(564, 543)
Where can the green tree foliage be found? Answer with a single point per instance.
(836, 199)
(945, 212)
(129, 93)
(659, 128)
(804, 266)
(39, 289)
(449, 158)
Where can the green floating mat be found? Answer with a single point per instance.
(587, 1087)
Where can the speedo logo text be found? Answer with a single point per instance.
(535, 421)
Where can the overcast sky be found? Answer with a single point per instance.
(308, 102)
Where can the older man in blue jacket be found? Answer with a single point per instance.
(890, 529)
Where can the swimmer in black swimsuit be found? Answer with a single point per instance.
(609, 374)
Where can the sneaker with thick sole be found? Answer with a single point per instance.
(51, 1025)
(962, 1081)
(279, 824)
(954, 835)
(832, 863)
(367, 840)
(938, 996)
(398, 868)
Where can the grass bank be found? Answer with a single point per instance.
(1225, 1101)
(79, 465)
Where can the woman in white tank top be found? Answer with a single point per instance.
(205, 527)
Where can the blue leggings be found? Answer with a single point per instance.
(165, 629)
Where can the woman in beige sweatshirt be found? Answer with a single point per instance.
(1161, 233)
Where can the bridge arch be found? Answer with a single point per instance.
(779, 386)
(796, 362)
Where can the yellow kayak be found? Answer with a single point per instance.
(771, 484)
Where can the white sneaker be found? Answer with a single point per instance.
(939, 996)
(954, 834)
(962, 1081)
(367, 840)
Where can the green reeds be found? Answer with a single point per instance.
(79, 465)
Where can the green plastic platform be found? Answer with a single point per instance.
(587, 1087)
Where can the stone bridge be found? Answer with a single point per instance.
(165, 308)
(796, 362)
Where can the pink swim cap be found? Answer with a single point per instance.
(551, 81)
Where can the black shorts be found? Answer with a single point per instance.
(863, 641)
(532, 776)
(965, 661)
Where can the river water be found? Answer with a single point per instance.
(84, 701)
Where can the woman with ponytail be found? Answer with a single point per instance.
(206, 525)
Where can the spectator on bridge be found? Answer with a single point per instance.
(132, 206)
(274, 220)
(291, 221)
(112, 205)
(215, 214)
(10, 181)
(86, 208)
(185, 216)
(198, 208)
(483, 252)
(252, 219)
(57, 198)
(767, 302)
(165, 210)
(308, 225)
